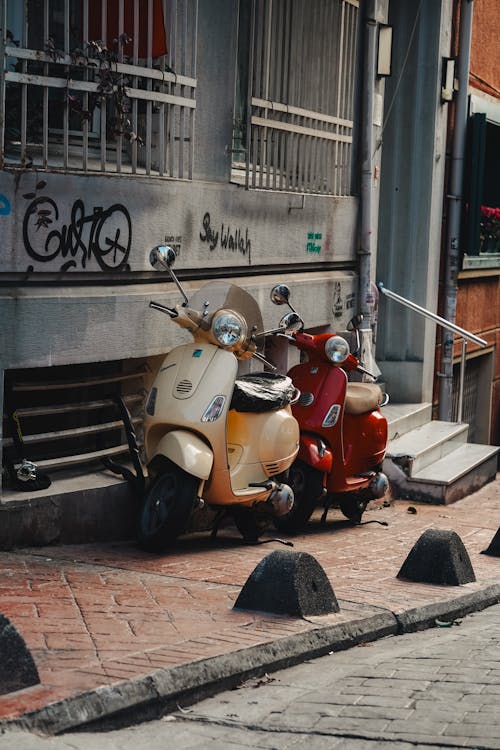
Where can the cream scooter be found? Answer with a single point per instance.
(211, 436)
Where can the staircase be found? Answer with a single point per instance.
(431, 461)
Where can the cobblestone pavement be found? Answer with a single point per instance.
(434, 689)
(98, 615)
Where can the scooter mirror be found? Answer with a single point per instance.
(280, 294)
(355, 322)
(291, 322)
(162, 257)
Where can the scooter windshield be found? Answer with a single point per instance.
(221, 294)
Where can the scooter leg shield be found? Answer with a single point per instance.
(187, 451)
(315, 453)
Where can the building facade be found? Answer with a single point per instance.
(227, 129)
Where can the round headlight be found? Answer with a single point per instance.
(337, 349)
(228, 328)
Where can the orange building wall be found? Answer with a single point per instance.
(485, 49)
(478, 300)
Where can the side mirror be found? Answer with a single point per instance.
(162, 257)
(291, 322)
(280, 294)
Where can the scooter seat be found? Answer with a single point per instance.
(362, 397)
(262, 391)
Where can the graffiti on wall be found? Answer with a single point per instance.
(103, 235)
(236, 240)
(314, 242)
(4, 205)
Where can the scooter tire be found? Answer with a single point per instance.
(166, 509)
(353, 508)
(307, 486)
(250, 523)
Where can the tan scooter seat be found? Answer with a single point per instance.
(362, 397)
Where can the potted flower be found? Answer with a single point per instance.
(490, 230)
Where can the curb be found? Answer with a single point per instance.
(161, 691)
(423, 617)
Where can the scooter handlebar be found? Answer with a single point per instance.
(163, 308)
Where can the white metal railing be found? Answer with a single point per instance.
(72, 102)
(300, 100)
(462, 332)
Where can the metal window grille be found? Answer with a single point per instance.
(471, 387)
(297, 135)
(99, 85)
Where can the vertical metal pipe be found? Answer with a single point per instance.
(3, 40)
(455, 209)
(462, 381)
(365, 249)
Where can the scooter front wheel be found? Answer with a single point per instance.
(307, 485)
(166, 509)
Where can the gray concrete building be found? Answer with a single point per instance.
(249, 135)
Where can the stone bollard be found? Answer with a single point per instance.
(17, 668)
(438, 556)
(288, 583)
(494, 547)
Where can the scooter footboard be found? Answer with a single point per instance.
(188, 451)
(315, 453)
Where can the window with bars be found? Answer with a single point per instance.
(99, 85)
(294, 103)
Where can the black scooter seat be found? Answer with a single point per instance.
(261, 391)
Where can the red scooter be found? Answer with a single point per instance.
(343, 434)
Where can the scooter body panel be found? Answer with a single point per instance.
(245, 447)
(356, 442)
(315, 453)
(188, 451)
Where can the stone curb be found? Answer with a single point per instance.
(162, 690)
(424, 617)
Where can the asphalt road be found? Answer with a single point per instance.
(439, 688)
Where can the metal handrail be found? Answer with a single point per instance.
(466, 335)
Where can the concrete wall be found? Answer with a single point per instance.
(412, 179)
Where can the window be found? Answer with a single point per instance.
(294, 100)
(481, 180)
(99, 85)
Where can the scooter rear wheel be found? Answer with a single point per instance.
(307, 485)
(166, 508)
(250, 523)
(353, 508)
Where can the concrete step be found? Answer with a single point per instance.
(402, 418)
(452, 477)
(426, 444)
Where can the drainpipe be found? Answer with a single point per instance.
(367, 149)
(455, 198)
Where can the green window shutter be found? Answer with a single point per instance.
(476, 179)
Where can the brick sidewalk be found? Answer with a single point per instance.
(96, 615)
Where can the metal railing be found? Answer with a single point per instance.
(462, 332)
(300, 106)
(73, 97)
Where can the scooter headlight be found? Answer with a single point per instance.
(228, 328)
(337, 349)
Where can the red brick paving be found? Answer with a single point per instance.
(98, 614)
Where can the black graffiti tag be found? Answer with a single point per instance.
(229, 240)
(104, 234)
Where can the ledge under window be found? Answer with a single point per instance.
(484, 260)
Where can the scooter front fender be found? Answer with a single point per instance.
(314, 452)
(188, 451)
